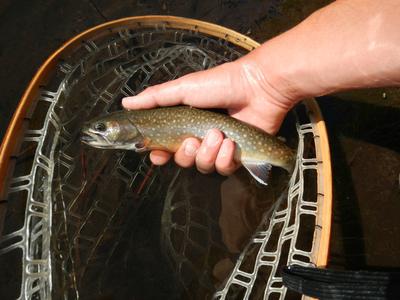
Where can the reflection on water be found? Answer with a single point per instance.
(206, 222)
(119, 224)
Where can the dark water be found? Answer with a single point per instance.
(363, 126)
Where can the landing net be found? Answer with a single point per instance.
(87, 223)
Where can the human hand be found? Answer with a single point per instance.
(240, 87)
(330, 51)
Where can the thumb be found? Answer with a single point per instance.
(215, 87)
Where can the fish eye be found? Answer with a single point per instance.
(100, 127)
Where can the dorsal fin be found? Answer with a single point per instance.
(259, 170)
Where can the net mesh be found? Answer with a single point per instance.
(87, 223)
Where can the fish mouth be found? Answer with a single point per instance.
(87, 139)
(94, 140)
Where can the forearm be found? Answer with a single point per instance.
(348, 44)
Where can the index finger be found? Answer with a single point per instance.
(210, 88)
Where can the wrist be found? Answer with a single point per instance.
(345, 45)
(303, 62)
(268, 78)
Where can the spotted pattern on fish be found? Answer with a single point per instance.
(167, 127)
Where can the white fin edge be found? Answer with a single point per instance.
(259, 170)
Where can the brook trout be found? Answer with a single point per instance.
(166, 128)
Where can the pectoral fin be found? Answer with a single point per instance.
(140, 144)
(259, 170)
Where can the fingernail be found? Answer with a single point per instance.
(212, 138)
(190, 149)
(125, 101)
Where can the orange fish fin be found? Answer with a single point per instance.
(259, 170)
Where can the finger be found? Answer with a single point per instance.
(225, 164)
(186, 154)
(208, 151)
(202, 89)
(159, 157)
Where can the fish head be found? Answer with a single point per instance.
(114, 131)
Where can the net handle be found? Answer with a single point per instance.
(9, 144)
